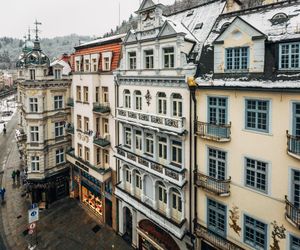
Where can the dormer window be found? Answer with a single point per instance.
(289, 56)
(190, 13)
(224, 26)
(198, 26)
(106, 60)
(94, 62)
(87, 64)
(279, 18)
(106, 65)
(57, 74)
(237, 59)
(77, 65)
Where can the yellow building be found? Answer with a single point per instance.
(247, 128)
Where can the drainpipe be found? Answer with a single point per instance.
(117, 143)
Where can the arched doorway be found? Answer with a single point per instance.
(127, 225)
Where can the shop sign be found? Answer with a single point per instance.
(33, 215)
(82, 166)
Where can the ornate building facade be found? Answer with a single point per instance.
(43, 91)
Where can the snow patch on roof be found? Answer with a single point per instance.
(102, 40)
(66, 67)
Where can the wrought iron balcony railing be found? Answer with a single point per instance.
(102, 108)
(293, 143)
(292, 213)
(216, 186)
(214, 132)
(169, 123)
(214, 239)
(70, 102)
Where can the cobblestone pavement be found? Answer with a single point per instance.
(66, 225)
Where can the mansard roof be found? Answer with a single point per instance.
(261, 18)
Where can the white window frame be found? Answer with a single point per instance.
(58, 102)
(60, 156)
(34, 134)
(138, 100)
(175, 158)
(33, 104)
(59, 129)
(35, 164)
(161, 103)
(177, 105)
(127, 137)
(127, 99)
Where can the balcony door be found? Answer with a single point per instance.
(217, 116)
(162, 198)
(296, 188)
(295, 143)
(216, 164)
(176, 205)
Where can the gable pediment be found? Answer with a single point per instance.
(131, 37)
(238, 29)
(146, 4)
(167, 30)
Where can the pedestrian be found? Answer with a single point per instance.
(22, 175)
(13, 175)
(2, 193)
(18, 174)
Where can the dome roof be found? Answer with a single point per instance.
(28, 46)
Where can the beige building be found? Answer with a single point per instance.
(43, 91)
(247, 129)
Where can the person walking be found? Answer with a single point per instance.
(13, 175)
(18, 174)
(2, 194)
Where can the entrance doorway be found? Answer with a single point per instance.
(127, 225)
(108, 212)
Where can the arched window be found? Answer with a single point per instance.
(127, 99)
(176, 204)
(138, 184)
(138, 100)
(279, 18)
(161, 103)
(177, 105)
(162, 197)
(138, 141)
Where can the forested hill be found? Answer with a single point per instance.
(10, 48)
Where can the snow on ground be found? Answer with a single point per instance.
(6, 104)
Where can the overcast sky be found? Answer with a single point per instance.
(63, 17)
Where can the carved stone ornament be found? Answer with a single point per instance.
(148, 97)
(234, 217)
(278, 233)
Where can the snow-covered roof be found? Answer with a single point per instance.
(102, 40)
(180, 28)
(260, 18)
(66, 67)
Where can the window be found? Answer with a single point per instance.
(138, 184)
(162, 198)
(128, 137)
(162, 103)
(168, 57)
(198, 26)
(79, 121)
(257, 115)
(105, 94)
(78, 93)
(217, 164)
(32, 74)
(106, 65)
(162, 148)
(79, 148)
(296, 188)
(256, 175)
(237, 58)
(177, 105)
(294, 243)
(86, 94)
(59, 129)
(127, 100)
(105, 126)
(106, 158)
(289, 56)
(45, 72)
(149, 144)
(127, 179)
(176, 148)
(57, 74)
(176, 205)
(138, 140)
(60, 156)
(149, 59)
(33, 104)
(132, 60)
(58, 102)
(86, 124)
(296, 119)
(216, 217)
(34, 134)
(94, 61)
(35, 163)
(98, 159)
(217, 110)
(279, 18)
(87, 64)
(87, 154)
(255, 233)
(77, 65)
(97, 94)
(138, 100)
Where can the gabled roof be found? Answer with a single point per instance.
(130, 37)
(237, 22)
(146, 5)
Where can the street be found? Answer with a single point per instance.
(66, 225)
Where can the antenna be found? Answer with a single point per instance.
(29, 34)
(36, 29)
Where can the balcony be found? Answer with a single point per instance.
(102, 141)
(102, 108)
(177, 229)
(70, 129)
(214, 239)
(293, 143)
(163, 122)
(100, 173)
(70, 102)
(216, 186)
(292, 213)
(214, 132)
(174, 176)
